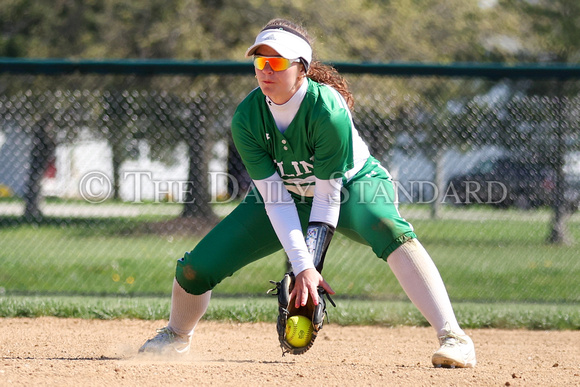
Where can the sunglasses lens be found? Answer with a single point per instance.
(276, 63)
(259, 62)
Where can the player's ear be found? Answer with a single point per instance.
(302, 73)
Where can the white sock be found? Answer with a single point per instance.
(186, 310)
(424, 286)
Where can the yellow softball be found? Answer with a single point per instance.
(298, 331)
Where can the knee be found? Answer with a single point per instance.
(194, 277)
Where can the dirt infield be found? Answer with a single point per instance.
(72, 352)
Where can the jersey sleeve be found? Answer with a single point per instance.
(251, 148)
(333, 150)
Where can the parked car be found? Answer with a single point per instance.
(509, 182)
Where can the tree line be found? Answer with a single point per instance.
(484, 31)
(505, 31)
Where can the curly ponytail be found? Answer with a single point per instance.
(318, 71)
(328, 75)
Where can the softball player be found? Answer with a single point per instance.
(313, 174)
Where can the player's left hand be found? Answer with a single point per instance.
(307, 283)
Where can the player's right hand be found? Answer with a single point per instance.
(307, 283)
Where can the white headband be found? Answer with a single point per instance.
(287, 44)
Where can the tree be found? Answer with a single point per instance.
(42, 151)
(555, 37)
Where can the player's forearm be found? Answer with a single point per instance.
(285, 221)
(323, 219)
(284, 218)
(326, 201)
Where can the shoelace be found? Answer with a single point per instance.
(450, 338)
(168, 334)
(165, 332)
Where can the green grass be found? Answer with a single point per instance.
(503, 261)
(497, 267)
(264, 309)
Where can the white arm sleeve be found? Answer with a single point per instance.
(326, 202)
(284, 218)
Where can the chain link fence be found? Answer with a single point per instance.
(106, 179)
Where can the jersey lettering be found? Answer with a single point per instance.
(300, 167)
(296, 168)
(307, 166)
(281, 170)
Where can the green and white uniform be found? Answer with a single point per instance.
(308, 164)
(320, 141)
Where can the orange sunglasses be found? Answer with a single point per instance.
(276, 63)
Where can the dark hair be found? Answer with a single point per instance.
(317, 71)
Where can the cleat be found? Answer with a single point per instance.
(167, 343)
(456, 351)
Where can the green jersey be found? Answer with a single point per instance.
(319, 144)
(321, 141)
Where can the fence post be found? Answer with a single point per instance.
(559, 233)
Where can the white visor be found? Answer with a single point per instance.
(287, 44)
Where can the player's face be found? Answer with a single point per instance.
(280, 86)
